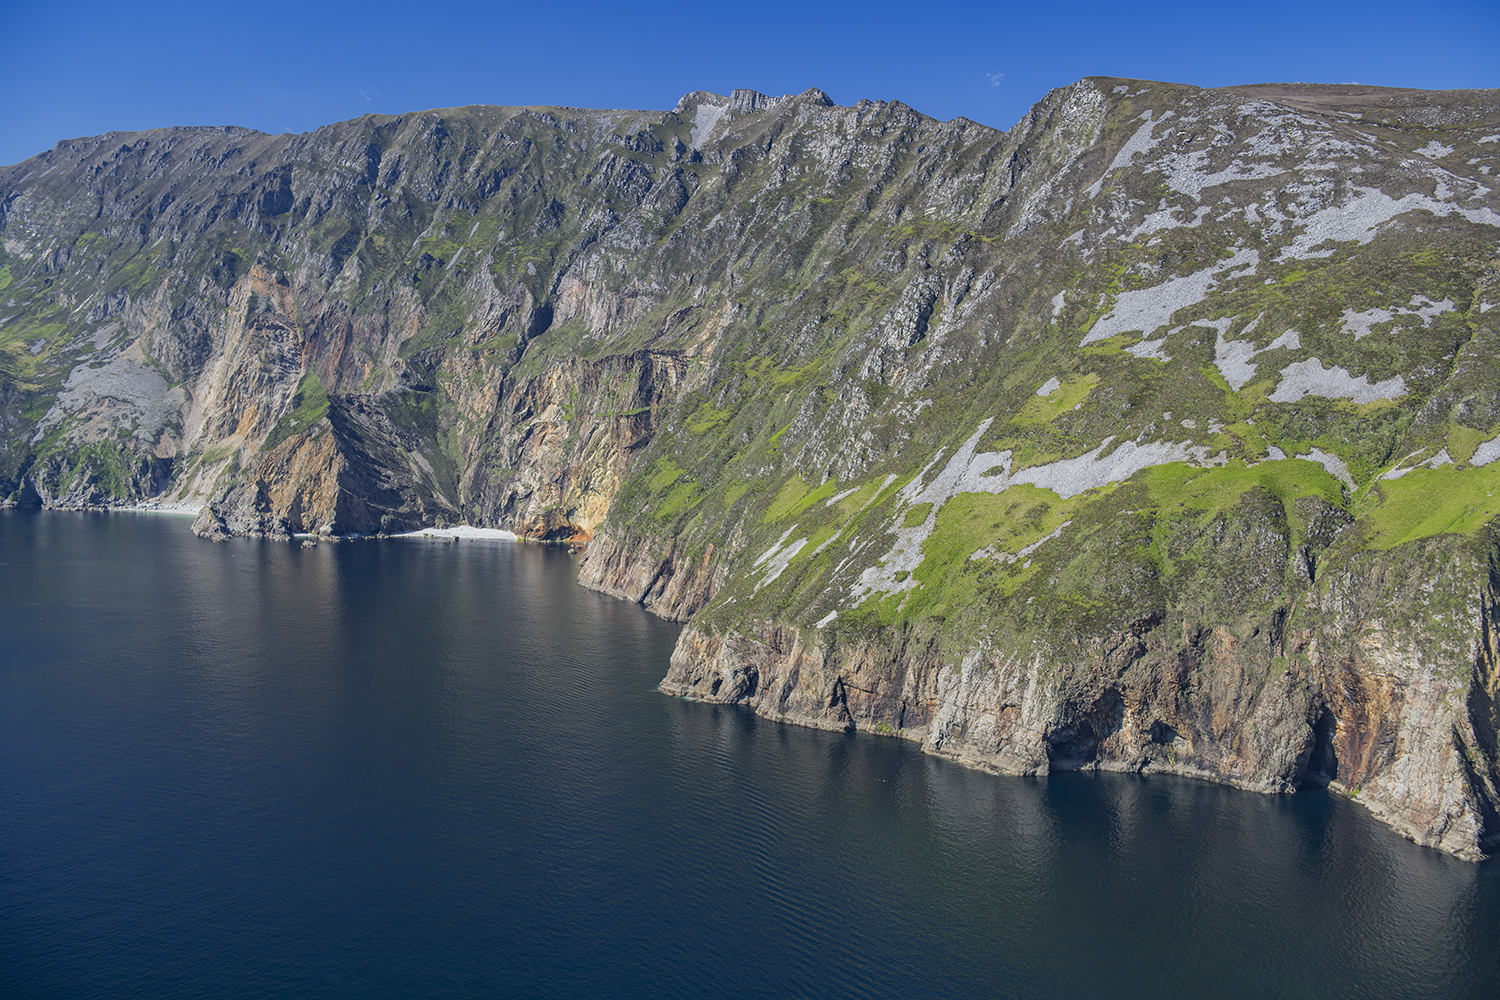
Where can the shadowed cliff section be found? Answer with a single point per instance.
(1157, 433)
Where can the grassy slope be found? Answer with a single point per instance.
(777, 272)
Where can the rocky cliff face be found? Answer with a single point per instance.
(1328, 695)
(666, 576)
(1158, 433)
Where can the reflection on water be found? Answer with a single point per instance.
(413, 768)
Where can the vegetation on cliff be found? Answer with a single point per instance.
(1158, 432)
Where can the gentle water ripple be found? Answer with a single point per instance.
(405, 768)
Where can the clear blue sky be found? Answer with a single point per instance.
(80, 68)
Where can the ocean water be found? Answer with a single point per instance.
(404, 768)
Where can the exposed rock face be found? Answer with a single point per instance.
(294, 489)
(1408, 731)
(562, 443)
(1160, 432)
(672, 582)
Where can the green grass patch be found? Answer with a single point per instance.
(1462, 441)
(858, 500)
(309, 405)
(1215, 491)
(443, 249)
(1113, 345)
(109, 463)
(949, 579)
(1428, 502)
(217, 454)
(1180, 491)
(706, 417)
(794, 497)
(682, 496)
(501, 343)
(777, 436)
(1045, 409)
(667, 472)
(17, 361)
(1427, 257)
(791, 492)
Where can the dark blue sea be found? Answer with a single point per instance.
(404, 768)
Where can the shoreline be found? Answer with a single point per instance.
(147, 507)
(153, 507)
(464, 531)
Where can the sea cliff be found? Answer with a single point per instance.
(1157, 433)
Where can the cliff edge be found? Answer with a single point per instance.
(1158, 433)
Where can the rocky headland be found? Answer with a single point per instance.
(1158, 433)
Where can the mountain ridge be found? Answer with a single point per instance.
(1156, 433)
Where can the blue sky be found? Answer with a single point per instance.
(80, 68)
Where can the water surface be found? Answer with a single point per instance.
(412, 769)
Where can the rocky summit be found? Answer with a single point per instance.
(1160, 433)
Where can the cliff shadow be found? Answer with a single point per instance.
(1075, 746)
(1322, 759)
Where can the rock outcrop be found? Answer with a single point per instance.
(664, 576)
